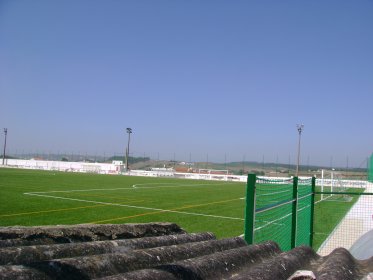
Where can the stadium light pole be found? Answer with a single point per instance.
(5, 133)
(129, 131)
(300, 128)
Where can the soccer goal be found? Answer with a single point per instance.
(332, 187)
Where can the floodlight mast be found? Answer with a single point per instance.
(5, 133)
(300, 128)
(129, 131)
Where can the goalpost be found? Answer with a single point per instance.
(331, 182)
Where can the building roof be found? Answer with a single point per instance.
(160, 251)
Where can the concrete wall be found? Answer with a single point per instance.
(85, 167)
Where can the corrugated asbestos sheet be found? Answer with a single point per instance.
(160, 251)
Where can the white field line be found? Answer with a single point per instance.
(45, 194)
(273, 222)
(281, 218)
(132, 206)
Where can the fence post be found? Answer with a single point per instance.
(250, 209)
(294, 213)
(312, 209)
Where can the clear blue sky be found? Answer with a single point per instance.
(226, 80)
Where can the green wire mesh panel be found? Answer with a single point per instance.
(370, 171)
(273, 214)
(304, 219)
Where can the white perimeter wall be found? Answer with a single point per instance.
(85, 167)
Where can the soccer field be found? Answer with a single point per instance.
(29, 197)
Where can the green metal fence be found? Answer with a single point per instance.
(295, 211)
(280, 210)
(305, 211)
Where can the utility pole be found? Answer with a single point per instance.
(243, 165)
(300, 128)
(129, 131)
(5, 133)
(225, 161)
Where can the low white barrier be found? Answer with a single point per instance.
(84, 167)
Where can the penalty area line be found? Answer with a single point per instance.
(136, 207)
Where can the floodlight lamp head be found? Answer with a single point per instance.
(129, 130)
(5, 131)
(300, 127)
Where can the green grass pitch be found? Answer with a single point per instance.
(29, 197)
